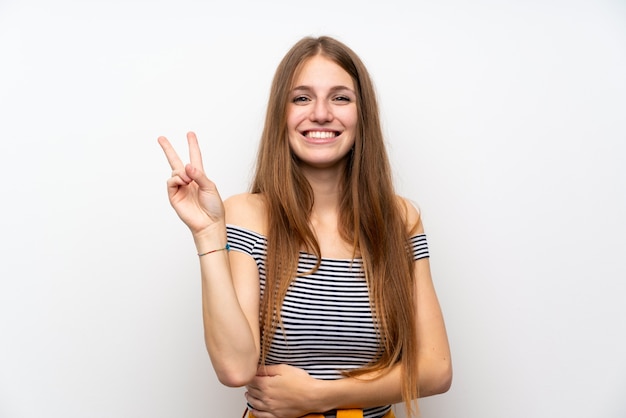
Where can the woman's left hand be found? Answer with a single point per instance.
(281, 391)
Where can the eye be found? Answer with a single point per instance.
(300, 99)
(343, 99)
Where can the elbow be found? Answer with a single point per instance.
(443, 379)
(235, 369)
(236, 372)
(235, 378)
(437, 380)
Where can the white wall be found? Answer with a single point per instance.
(506, 122)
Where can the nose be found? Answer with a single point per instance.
(321, 112)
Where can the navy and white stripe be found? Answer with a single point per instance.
(327, 319)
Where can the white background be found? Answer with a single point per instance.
(506, 123)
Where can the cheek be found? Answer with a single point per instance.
(294, 117)
(349, 116)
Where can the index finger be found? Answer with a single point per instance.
(267, 370)
(195, 156)
(171, 155)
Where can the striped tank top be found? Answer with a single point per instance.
(328, 326)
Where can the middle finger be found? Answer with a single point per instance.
(195, 156)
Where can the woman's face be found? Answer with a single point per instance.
(322, 113)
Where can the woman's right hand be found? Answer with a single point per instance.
(192, 195)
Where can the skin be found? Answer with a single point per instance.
(322, 101)
(322, 115)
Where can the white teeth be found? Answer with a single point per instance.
(320, 134)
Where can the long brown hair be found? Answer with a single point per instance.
(372, 217)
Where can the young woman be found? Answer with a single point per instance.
(316, 288)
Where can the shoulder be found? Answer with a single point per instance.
(411, 215)
(247, 210)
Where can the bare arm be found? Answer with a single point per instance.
(231, 339)
(230, 333)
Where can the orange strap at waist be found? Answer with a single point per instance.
(342, 413)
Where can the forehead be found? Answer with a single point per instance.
(319, 71)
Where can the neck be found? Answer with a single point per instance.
(326, 185)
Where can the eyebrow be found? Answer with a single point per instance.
(332, 89)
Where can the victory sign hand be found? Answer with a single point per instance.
(192, 195)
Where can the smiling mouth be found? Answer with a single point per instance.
(321, 134)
